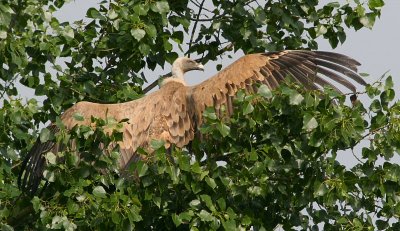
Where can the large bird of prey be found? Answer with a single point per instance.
(174, 113)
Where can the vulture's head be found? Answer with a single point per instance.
(182, 65)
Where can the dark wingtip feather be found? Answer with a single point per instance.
(338, 57)
(306, 64)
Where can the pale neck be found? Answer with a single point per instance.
(177, 72)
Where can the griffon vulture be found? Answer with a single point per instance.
(174, 112)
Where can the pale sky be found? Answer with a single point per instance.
(377, 49)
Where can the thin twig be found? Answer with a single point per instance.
(352, 151)
(198, 19)
(195, 25)
(196, 3)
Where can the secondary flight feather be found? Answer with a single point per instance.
(174, 113)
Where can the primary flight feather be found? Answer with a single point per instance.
(174, 112)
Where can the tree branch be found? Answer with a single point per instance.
(198, 19)
(196, 3)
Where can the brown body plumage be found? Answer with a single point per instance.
(173, 113)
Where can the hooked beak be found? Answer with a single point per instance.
(200, 67)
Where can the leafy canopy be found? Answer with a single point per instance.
(272, 164)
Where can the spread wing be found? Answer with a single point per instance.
(309, 68)
(162, 115)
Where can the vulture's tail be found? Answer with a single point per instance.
(32, 168)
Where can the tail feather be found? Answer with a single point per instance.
(32, 168)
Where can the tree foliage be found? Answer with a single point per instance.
(272, 164)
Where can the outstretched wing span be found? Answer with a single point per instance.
(312, 69)
(173, 113)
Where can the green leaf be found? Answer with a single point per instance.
(161, 7)
(260, 17)
(112, 14)
(321, 30)
(3, 34)
(209, 203)
(68, 33)
(373, 4)
(255, 190)
(142, 169)
(51, 158)
(116, 217)
(171, 56)
(12, 154)
(138, 33)
(36, 203)
(184, 22)
(95, 14)
(334, 4)
(72, 207)
(375, 106)
(389, 83)
(246, 33)
(357, 224)
(321, 191)
(223, 129)
(99, 191)
(368, 20)
(343, 220)
(141, 9)
(309, 122)
(387, 96)
(176, 219)
(49, 175)
(174, 173)
(6, 227)
(295, 98)
(156, 144)
(46, 16)
(264, 91)
(195, 203)
(230, 225)
(248, 108)
(178, 37)
(77, 116)
(196, 168)
(186, 216)
(246, 220)
(210, 113)
(44, 135)
(205, 216)
(381, 224)
(144, 49)
(211, 182)
(5, 8)
(216, 25)
(372, 91)
(184, 162)
(221, 203)
(151, 30)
